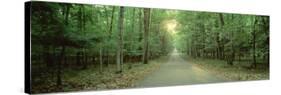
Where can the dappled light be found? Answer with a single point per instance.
(171, 25)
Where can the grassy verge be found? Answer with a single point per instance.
(240, 71)
(92, 79)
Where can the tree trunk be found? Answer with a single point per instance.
(84, 59)
(62, 53)
(120, 41)
(232, 55)
(59, 80)
(146, 31)
(220, 47)
(100, 58)
(254, 63)
(265, 21)
(110, 33)
(81, 25)
(140, 28)
(132, 42)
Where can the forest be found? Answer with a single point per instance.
(93, 47)
(224, 36)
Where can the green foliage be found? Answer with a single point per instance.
(77, 37)
(73, 44)
(217, 35)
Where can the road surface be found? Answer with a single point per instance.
(177, 71)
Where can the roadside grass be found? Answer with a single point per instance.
(240, 71)
(92, 79)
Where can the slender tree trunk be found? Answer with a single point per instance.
(218, 49)
(100, 58)
(110, 33)
(132, 42)
(265, 21)
(62, 53)
(254, 63)
(81, 25)
(59, 80)
(120, 41)
(140, 28)
(220, 46)
(106, 49)
(232, 55)
(146, 32)
(47, 56)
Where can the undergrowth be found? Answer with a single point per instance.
(92, 79)
(239, 71)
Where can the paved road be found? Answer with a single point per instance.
(177, 71)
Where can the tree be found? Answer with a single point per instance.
(254, 63)
(222, 36)
(120, 41)
(110, 33)
(62, 53)
(145, 36)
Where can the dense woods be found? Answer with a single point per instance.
(73, 36)
(228, 37)
(82, 47)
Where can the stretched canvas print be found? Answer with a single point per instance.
(88, 47)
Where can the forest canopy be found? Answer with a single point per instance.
(75, 37)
